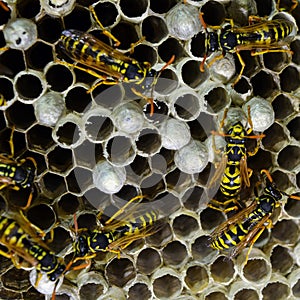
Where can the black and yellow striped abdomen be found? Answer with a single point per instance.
(18, 242)
(262, 34)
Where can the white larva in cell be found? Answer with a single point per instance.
(107, 178)
(183, 21)
(20, 34)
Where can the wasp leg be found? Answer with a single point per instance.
(150, 100)
(242, 69)
(4, 6)
(11, 142)
(254, 53)
(103, 81)
(121, 210)
(294, 5)
(7, 255)
(133, 45)
(104, 31)
(216, 205)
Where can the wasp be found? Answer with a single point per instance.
(21, 241)
(232, 171)
(262, 37)
(17, 173)
(108, 64)
(124, 227)
(246, 226)
(2, 100)
(4, 6)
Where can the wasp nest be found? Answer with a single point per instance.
(93, 149)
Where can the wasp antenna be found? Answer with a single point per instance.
(75, 223)
(259, 136)
(294, 197)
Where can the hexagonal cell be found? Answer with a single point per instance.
(213, 13)
(296, 289)
(276, 289)
(16, 280)
(60, 159)
(163, 161)
(286, 83)
(68, 204)
(139, 291)
(127, 192)
(133, 8)
(120, 271)
(78, 180)
(282, 107)
(151, 25)
(91, 291)
(40, 138)
(126, 33)
(263, 84)
(148, 141)
(54, 184)
(41, 215)
(177, 181)
(78, 13)
(281, 260)
(292, 207)
(217, 99)
(200, 250)
(281, 228)
(222, 270)
(289, 157)
(191, 198)
(170, 47)
(166, 286)
(12, 61)
(107, 13)
(256, 270)
(196, 278)
(153, 185)
(185, 225)
(246, 294)
(39, 55)
(261, 160)
(18, 142)
(61, 239)
(148, 261)
(6, 89)
(282, 180)
(191, 74)
(160, 237)
(16, 112)
(210, 218)
(59, 77)
(275, 61)
(175, 253)
(293, 126)
(87, 221)
(275, 138)
(43, 26)
(77, 99)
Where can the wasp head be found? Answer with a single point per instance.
(235, 132)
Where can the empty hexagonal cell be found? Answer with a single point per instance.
(68, 204)
(166, 286)
(163, 161)
(261, 160)
(275, 138)
(6, 89)
(13, 60)
(138, 168)
(144, 52)
(54, 184)
(16, 112)
(216, 99)
(60, 159)
(245, 292)
(286, 83)
(281, 260)
(282, 107)
(216, 295)
(222, 270)
(170, 47)
(196, 278)
(41, 215)
(293, 126)
(282, 180)
(160, 237)
(59, 77)
(134, 8)
(148, 261)
(40, 138)
(87, 221)
(275, 61)
(210, 218)
(120, 150)
(68, 133)
(77, 13)
(78, 180)
(120, 271)
(191, 74)
(213, 13)
(16, 280)
(263, 84)
(200, 249)
(91, 291)
(175, 253)
(154, 28)
(279, 290)
(126, 33)
(153, 185)
(126, 193)
(177, 181)
(148, 141)
(39, 55)
(88, 154)
(77, 99)
(43, 26)
(257, 270)
(292, 207)
(281, 228)
(61, 239)
(139, 291)
(289, 157)
(184, 225)
(107, 13)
